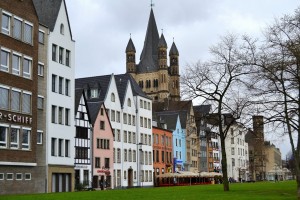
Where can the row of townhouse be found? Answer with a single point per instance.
(36, 97)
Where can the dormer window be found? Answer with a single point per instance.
(62, 29)
(94, 93)
(113, 99)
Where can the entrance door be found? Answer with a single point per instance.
(102, 182)
(130, 177)
(95, 182)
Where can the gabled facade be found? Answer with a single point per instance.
(60, 131)
(130, 115)
(83, 142)
(102, 148)
(237, 153)
(20, 167)
(153, 74)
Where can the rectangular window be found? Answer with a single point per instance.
(125, 136)
(27, 176)
(106, 163)
(41, 37)
(9, 176)
(102, 125)
(54, 49)
(53, 146)
(16, 62)
(1, 176)
(133, 120)
(54, 83)
(113, 115)
(4, 60)
(3, 136)
(134, 156)
(39, 139)
(41, 69)
(232, 151)
(97, 162)
(28, 33)
(14, 138)
(145, 122)
(6, 23)
(141, 103)
(27, 63)
(67, 87)
(53, 115)
(15, 100)
(133, 138)
(17, 28)
(19, 176)
(118, 116)
(26, 103)
(129, 119)
(67, 116)
(61, 54)
(26, 139)
(40, 102)
(60, 115)
(141, 121)
(60, 85)
(68, 54)
(67, 148)
(60, 147)
(4, 98)
(149, 123)
(124, 118)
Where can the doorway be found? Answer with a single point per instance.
(130, 177)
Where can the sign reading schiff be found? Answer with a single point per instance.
(15, 118)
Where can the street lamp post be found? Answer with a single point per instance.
(199, 156)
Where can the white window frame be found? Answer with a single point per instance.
(19, 179)
(27, 74)
(3, 30)
(39, 133)
(30, 94)
(13, 32)
(43, 32)
(31, 38)
(6, 135)
(1, 176)
(12, 176)
(20, 92)
(5, 68)
(27, 179)
(13, 70)
(18, 138)
(40, 97)
(41, 66)
(26, 146)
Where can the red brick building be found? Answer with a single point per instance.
(162, 151)
(18, 97)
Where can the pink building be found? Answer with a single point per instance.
(102, 148)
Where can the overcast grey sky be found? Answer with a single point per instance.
(101, 28)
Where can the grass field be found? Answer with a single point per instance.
(253, 191)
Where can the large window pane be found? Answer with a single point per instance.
(4, 61)
(26, 103)
(27, 68)
(41, 37)
(17, 29)
(28, 33)
(3, 137)
(16, 64)
(5, 24)
(3, 98)
(26, 139)
(14, 138)
(15, 100)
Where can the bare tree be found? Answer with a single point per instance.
(220, 82)
(277, 80)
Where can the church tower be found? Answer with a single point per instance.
(174, 73)
(130, 58)
(152, 73)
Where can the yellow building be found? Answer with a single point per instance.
(153, 74)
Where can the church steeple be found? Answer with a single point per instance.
(130, 57)
(149, 55)
(162, 52)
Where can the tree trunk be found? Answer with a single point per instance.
(224, 163)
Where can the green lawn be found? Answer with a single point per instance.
(253, 191)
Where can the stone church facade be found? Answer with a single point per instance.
(158, 80)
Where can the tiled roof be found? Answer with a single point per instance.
(130, 46)
(173, 50)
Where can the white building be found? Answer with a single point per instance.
(237, 153)
(60, 130)
(130, 116)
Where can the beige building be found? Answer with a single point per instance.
(153, 74)
(273, 162)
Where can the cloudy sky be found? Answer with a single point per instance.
(101, 28)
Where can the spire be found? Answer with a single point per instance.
(148, 59)
(173, 50)
(130, 46)
(162, 42)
